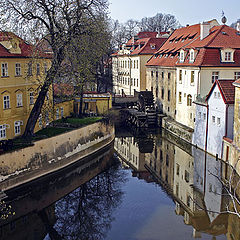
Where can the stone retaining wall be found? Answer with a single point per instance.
(54, 153)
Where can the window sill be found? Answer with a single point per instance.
(18, 75)
(7, 108)
(19, 106)
(4, 76)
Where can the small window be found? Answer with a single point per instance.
(215, 94)
(219, 96)
(169, 76)
(204, 116)
(192, 77)
(215, 76)
(199, 115)
(62, 112)
(218, 121)
(45, 68)
(29, 69)
(6, 102)
(181, 56)
(191, 56)
(3, 131)
(236, 75)
(228, 56)
(169, 95)
(162, 93)
(47, 118)
(180, 97)
(4, 69)
(31, 98)
(17, 127)
(177, 169)
(180, 76)
(19, 100)
(38, 69)
(162, 75)
(151, 73)
(186, 176)
(213, 119)
(18, 69)
(156, 74)
(189, 100)
(57, 113)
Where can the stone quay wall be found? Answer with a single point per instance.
(51, 154)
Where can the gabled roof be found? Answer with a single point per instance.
(226, 89)
(207, 50)
(27, 50)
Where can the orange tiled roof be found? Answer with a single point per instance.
(207, 50)
(27, 50)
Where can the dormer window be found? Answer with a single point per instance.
(192, 56)
(227, 55)
(153, 46)
(181, 58)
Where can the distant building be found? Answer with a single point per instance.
(128, 63)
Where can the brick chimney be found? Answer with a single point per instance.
(204, 30)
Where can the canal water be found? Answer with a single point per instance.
(152, 186)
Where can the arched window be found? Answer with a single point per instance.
(189, 100)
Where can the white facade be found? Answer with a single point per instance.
(186, 93)
(220, 122)
(199, 135)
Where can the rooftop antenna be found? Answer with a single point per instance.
(224, 19)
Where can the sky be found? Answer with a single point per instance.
(186, 11)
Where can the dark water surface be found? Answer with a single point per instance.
(153, 187)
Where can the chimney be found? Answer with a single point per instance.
(238, 26)
(204, 30)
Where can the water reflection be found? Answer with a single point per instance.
(189, 177)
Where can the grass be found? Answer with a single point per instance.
(80, 121)
(51, 131)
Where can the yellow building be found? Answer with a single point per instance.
(95, 103)
(21, 75)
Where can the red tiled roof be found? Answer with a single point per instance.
(207, 50)
(226, 89)
(237, 83)
(27, 50)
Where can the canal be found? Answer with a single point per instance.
(147, 186)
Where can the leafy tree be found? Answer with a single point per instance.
(63, 21)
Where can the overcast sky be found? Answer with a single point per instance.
(186, 11)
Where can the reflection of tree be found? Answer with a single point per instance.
(86, 212)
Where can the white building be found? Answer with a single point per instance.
(128, 63)
(215, 120)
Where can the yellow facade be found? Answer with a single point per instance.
(96, 103)
(19, 89)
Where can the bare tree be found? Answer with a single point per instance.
(62, 21)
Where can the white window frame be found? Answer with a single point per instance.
(17, 69)
(4, 70)
(227, 55)
(3, 132)
(215, 76)
(236, 75)
(192, 56)
(17, 127)
(6, 102)
(181, 56)
(19, 99)
(31, 98)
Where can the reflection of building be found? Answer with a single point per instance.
(127, 149)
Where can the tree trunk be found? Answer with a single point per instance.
(80, 112)
(36, 110)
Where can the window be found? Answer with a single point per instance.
(162, 93)
(199, 115)
(191, 59)
(57, 113)
(137, 64)
(177, 169)
(156, 92)
(137, 82)
(180, 76)
(192, 77)
(180, 97)
(19, 100)
(45, 68)
(6, 102)
(38, 69)
(215, 94)
(188, 200)
(181, 56)
(18, 69)
(236, 75)
(156, 74)
(204, 116)
(162, 75)
(169, 76)
(219, 96)
(3, 131)
(213, 119)
(186, 176)
(215, 76)
(218, 121)
(31, 98)
(62, 112)
(29, 69)
(47, 118)
(151, 73)
(169, 95)
(4, 69)
(189, 100)
(17, 128)
(167, 160)
(40, 120)
(228, 56)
